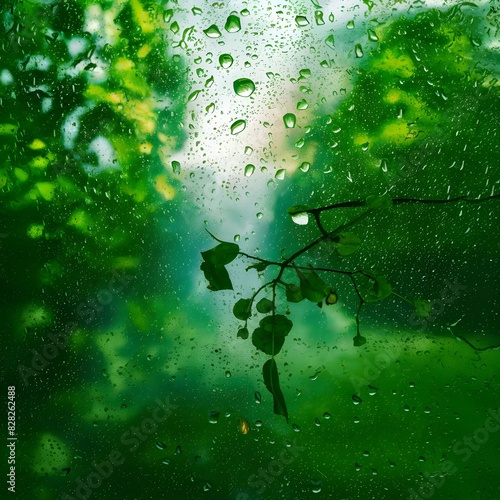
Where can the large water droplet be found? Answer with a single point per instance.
(350, 25)
(301, 21)
(193, 95)
(302, 104)
(289, 120)
(244, 87)
(318, 16)
(226, 60)
(372, 36)
(330, 41)
(305, 166)
(258, 398)
(176, 167)
(249, 170)
(212, 32)
(280, 174)
(238, 126)
(213, 417)
(356, 399)
(233, 24)
(358, 50)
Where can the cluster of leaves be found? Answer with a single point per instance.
(269, 336)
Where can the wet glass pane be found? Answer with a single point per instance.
(250, 250)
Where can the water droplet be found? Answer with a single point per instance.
(305, 166)
(372, 36)
(178, 450)
(427, 409)
(318, 17)
(316, 486)
(207, 486)
(295, 427)
(358, 50)
(167, 15)
(245, 12)
(213, 417)
(258, 423)
(244, 87)
(383, 165)
(301, 218)
(300, 143)
(317, 422)
(350, 25)
(249, 170)
(330, 41)
(289, 120)
(302, 104)
(236, 238)
(104, 372)
(227, 374)
(212, 32)
(196, 11)
(233, 24)
(258, 398)
(210, 108)
(372, 390)
(421, 458)
(160, 445)
(301, 21)
(280, 174)
(259, 215)
(238, 126)
(412, 384)
(174, 27)
(165, 461)
(327, 416)
(356, 399)
(406, 407)
(331, 18)
(226, 60)
(193, 95)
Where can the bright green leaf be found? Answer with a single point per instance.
(312, 287)
(272, 382)
(243, 309)
(265, 305)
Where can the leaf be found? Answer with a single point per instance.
(259, 267)
(293, 293)
(348, 243)
(222, 254)
(242, 333)
(217, 277)
(263, 341)
(265, 305)
(422, 307)
(243, 309)
(358, 341)
(269, 337)
(276, 323)
(375, 289)
(312, 287)
(272, 382)
(379, 201)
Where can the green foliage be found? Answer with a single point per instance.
(347, 244)
(243, 309)
(374, 288)
(269, 337)
(271, 380)
(422, 308)
(214, 264)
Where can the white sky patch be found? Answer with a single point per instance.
(76, 46)
(106, 155)
(6, 77)
(71, 127)
(38, 62)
